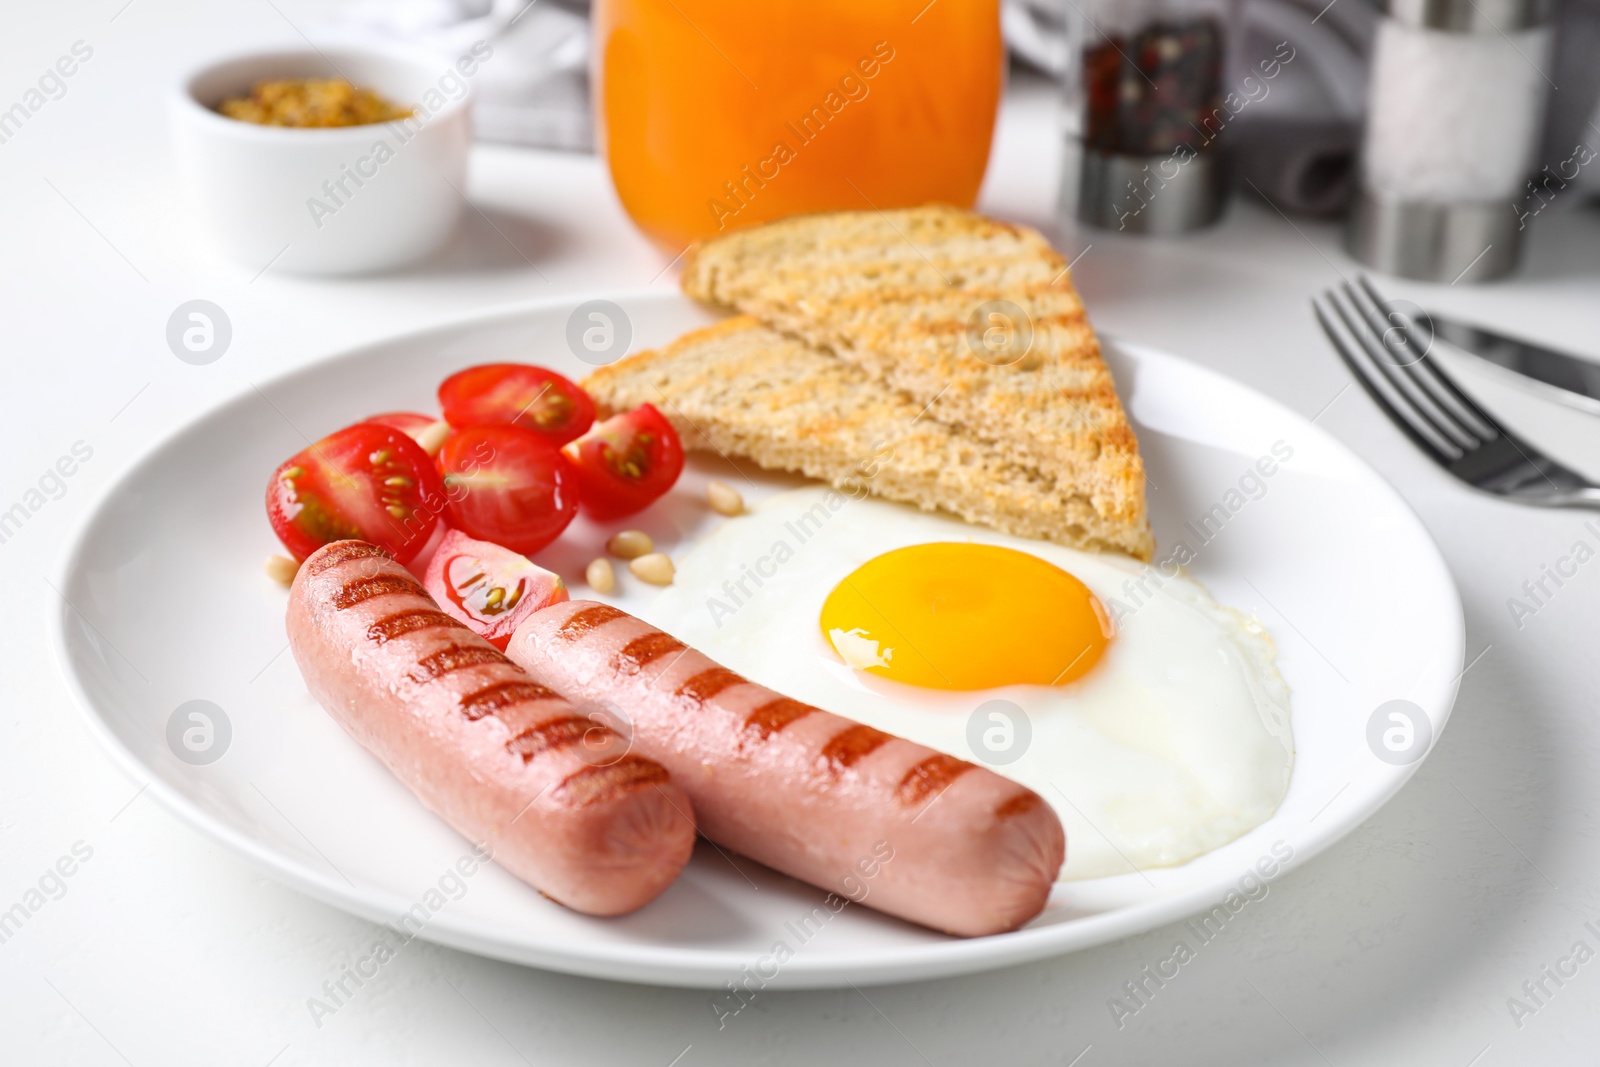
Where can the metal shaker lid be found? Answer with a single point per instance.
(1472, 16)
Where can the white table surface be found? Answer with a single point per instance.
(1400, 945)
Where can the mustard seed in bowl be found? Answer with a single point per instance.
(312, 102)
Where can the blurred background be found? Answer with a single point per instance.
(1294, 137)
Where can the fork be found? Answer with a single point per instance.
(1389, 353)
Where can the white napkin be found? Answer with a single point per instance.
(533, 88)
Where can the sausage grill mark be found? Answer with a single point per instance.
(359, 589)
(931, 776)
(550, 736)
(852, 744)
(588, 619)
(1023, 802)
(708, 683)
(455, 658)
(405, 622)
(774, 715)
(493, 698)
(926, 779)
(639, 652)
(489, 700)
(594, 784)
(343, 552)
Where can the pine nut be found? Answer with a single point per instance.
(724, 498)
(630, 544)
(655, 568)
(281, 569)
(431, 437)
(600, 576)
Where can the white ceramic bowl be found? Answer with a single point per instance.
(346, 200)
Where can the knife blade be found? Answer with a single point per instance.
(1544, 365)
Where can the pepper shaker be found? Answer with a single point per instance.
(1145, 93)
(1455, 104)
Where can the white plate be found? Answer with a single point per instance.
(168, 604)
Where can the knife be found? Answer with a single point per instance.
(1544, 365)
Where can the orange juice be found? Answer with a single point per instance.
(717, 114)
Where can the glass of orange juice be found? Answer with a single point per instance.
(717, 114)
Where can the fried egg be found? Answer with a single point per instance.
(1152, 718)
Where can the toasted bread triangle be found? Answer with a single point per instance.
(744, 389)
(916, 300)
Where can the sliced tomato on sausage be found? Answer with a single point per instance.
(368, 482)
(507, 485)
(626, 462)
(490, 588)
(534, 398)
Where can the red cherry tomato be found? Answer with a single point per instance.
(507, 485)
(491, 589)
(408, 422)
(626, 462)
(531, 397)
(368, 482)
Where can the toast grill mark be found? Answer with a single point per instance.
(852, 744)
(550, 736)
(588, 619)
(501, 695)
(708, 683)
(639, 652)
(343, 552)
(594, 784)
(455, 658)
(359, 589)
(774, 715)
(1023, 802)
(931, 776)
(405, 622)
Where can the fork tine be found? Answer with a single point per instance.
(1375, 365)
(1433, 376)
(1378, 386)
(1534, 460)
(1381, 329)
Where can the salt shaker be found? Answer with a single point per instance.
(1455, 105)
(1146, 99)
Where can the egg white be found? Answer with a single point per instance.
(1175, 743)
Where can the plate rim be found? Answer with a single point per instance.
(687, 967)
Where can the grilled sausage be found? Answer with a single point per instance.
(498, 756)
(812, 794)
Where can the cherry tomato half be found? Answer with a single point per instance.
(531, 397)
(626, 462)
(410, 423)
(491, 589)
(368, 482)
(507, 485)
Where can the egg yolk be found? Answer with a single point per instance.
(966, 616)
